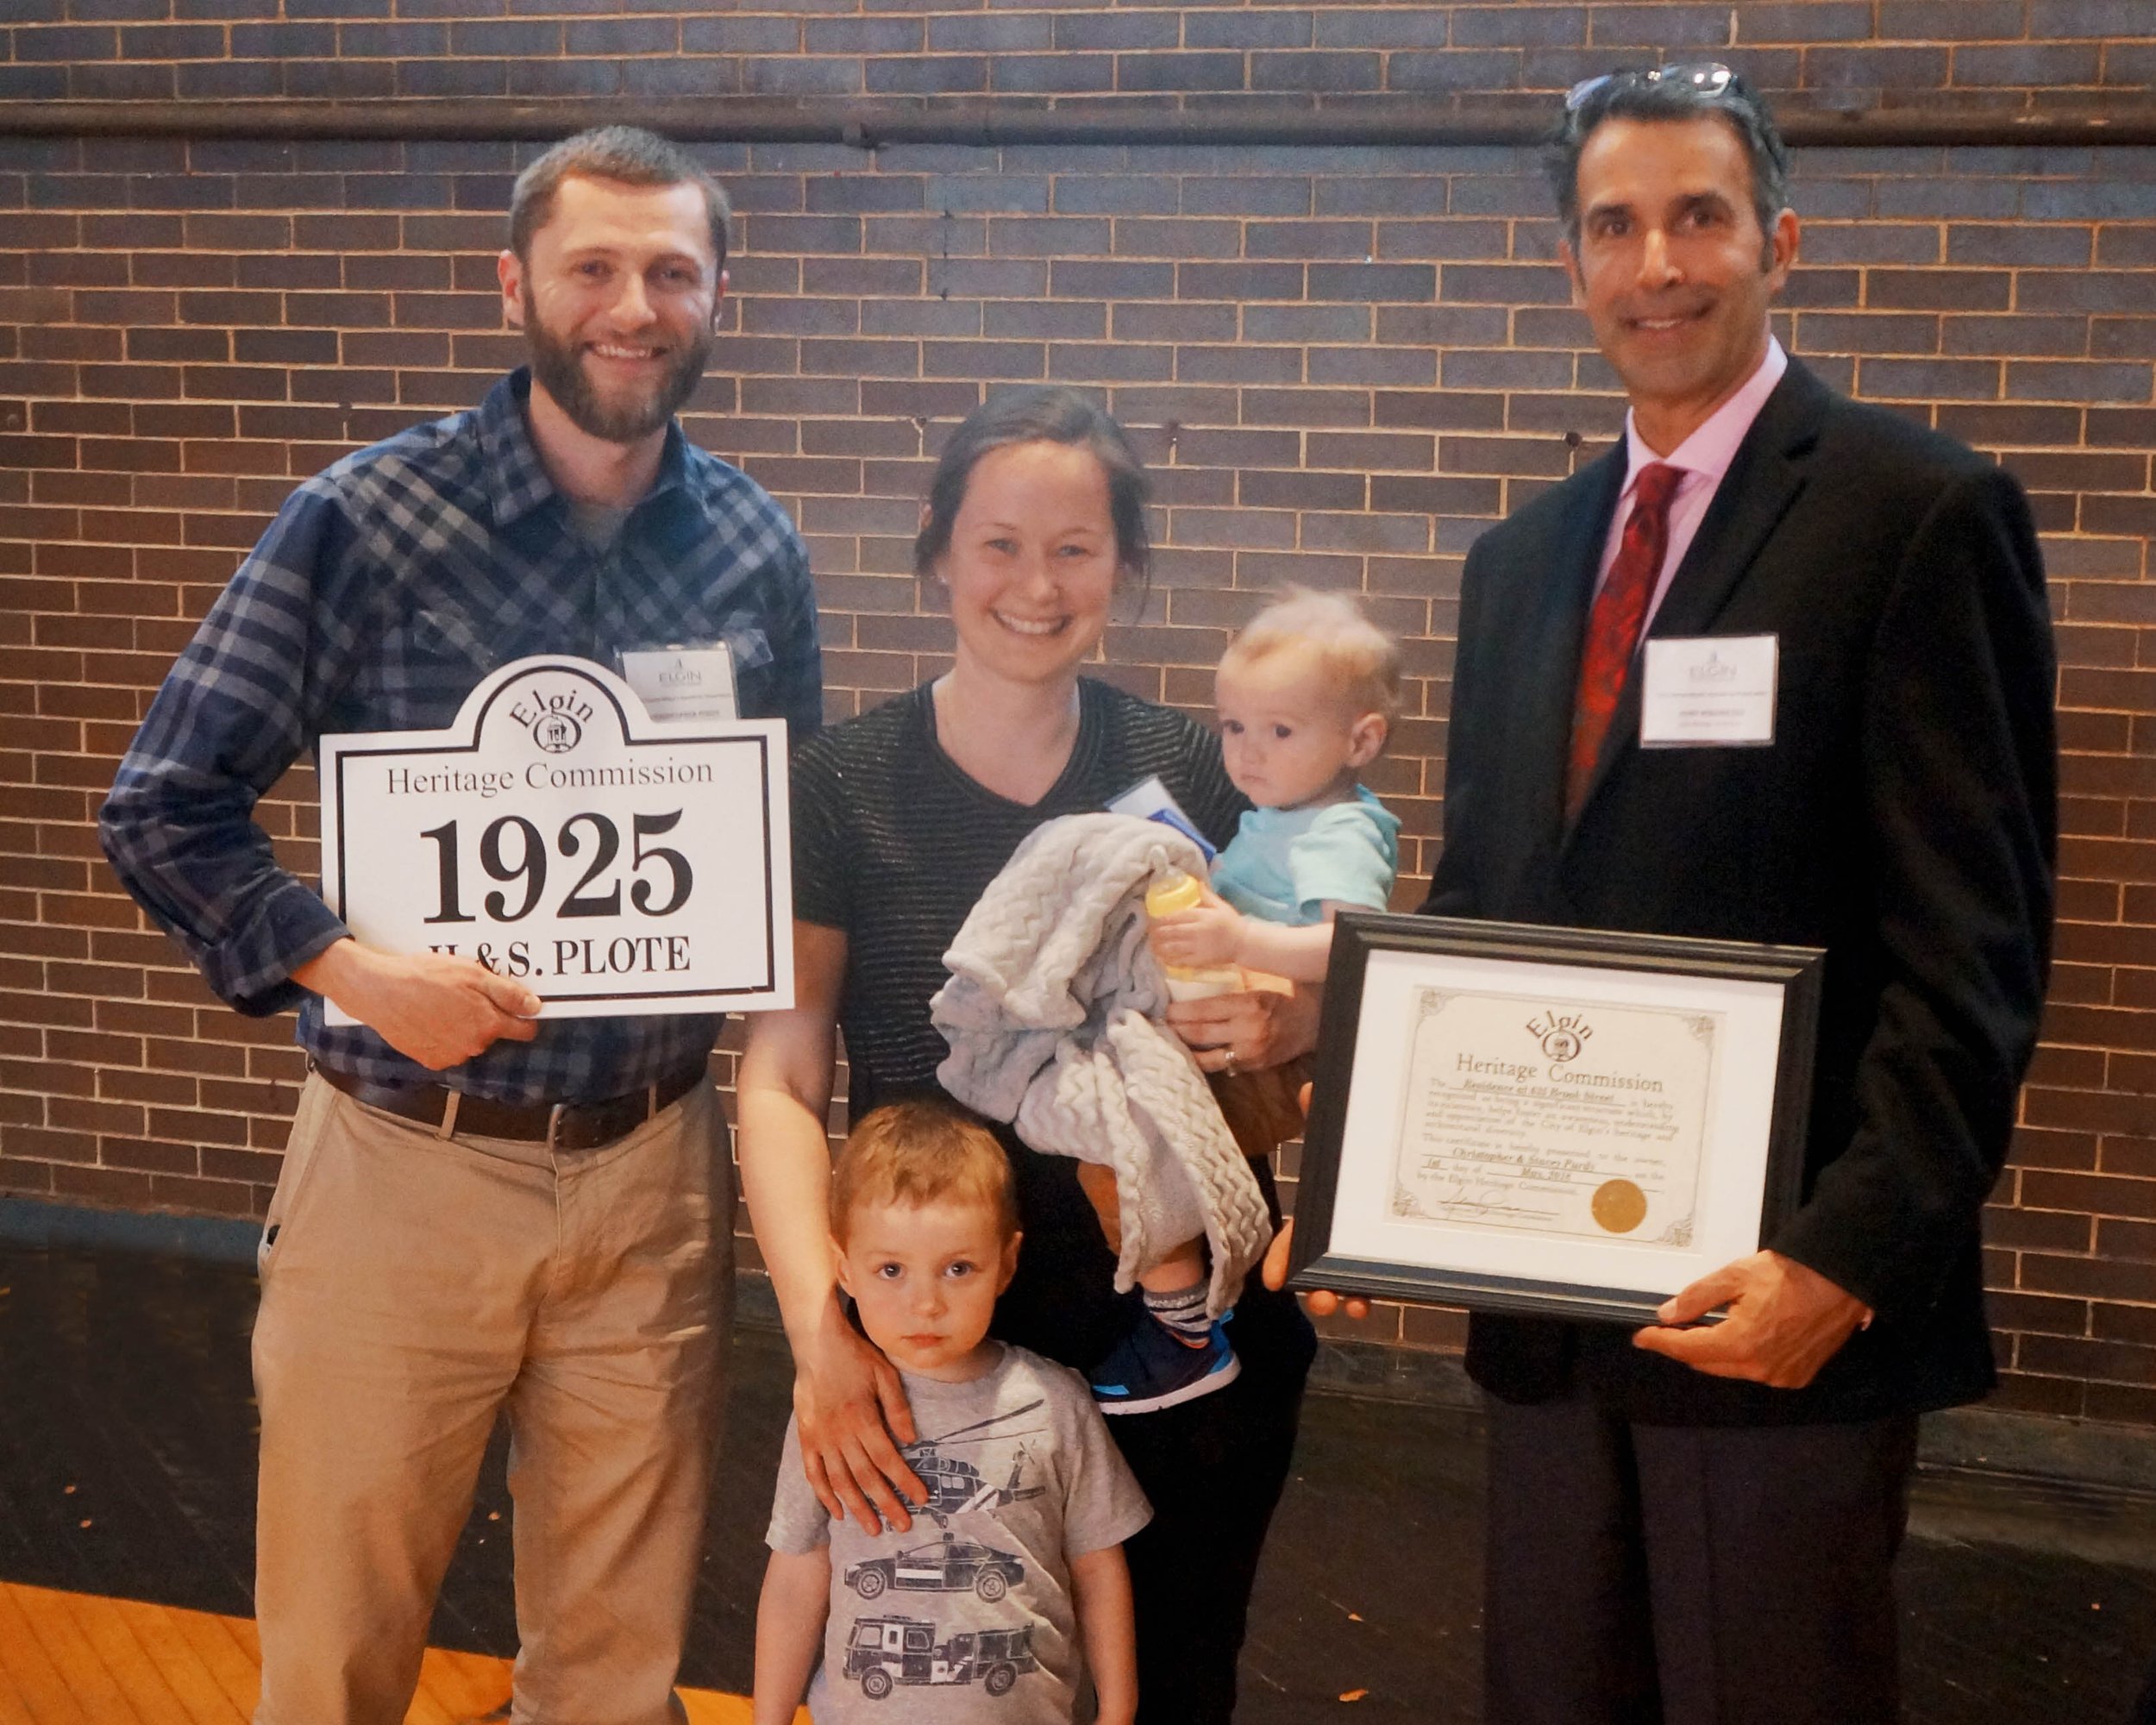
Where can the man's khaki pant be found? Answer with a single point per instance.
(414, 1285)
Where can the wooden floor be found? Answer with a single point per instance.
(77, 1659)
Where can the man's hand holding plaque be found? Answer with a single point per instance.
(439, 1010)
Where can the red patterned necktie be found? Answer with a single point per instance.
(1614, 625)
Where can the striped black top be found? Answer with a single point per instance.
(894, 844)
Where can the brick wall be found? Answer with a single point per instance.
(1344, 364)
(2017, 52)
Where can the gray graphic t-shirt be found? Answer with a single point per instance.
(967, 1614)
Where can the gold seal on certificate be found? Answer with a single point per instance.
(1549, 1120)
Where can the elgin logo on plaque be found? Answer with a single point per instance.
(559, 834)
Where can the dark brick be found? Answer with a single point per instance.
(1441, 410)
(1309, 240)
(33, 83)
(1505, 284)
(1309, 323)
(1242, 281)
(71, 43)
(1080, 31)
(344, 80)
(1941, 290)
(1416, 283)
(1046, 74)
(198, 345)
(2086, 18)
(1477, 26)
(1180, 73)
(228, 81)
(124, 83)
(726, 34)
(1808, 21)
(400, 41)
(1248, 27)
(994, 33)
(173, 41)
(1928, 20)
(2065, 380)
(928, 75)
(1173, 323)
(1241, 362)
(1044, 320)
(1471, 69)
(1317, 71)
(1922, 195)
(856, 36)
(1875, 68)
(2083, 291)
(505, 37)
(2037, 65)
(2065, 201)
(2123, 338)
(2117, 245)
(2016, 335)
(1391, 28)
(2054, 247)
(1869, 332)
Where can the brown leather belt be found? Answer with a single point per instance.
(564, 1125)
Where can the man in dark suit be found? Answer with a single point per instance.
(1698, 1524)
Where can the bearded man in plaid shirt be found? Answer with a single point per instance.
(480, 1212)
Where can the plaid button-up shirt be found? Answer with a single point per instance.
(383, 592)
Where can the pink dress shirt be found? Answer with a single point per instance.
(1705, 457)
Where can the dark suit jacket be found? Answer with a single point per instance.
(1904, 819)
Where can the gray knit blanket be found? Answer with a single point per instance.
(1053, 1013)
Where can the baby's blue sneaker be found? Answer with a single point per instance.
(1149, 1369)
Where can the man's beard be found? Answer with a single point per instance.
(558, 367)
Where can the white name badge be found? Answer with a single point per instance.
(1717, 690)
(560, 834)
(683, 682)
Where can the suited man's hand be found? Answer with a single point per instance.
(1785, 1322)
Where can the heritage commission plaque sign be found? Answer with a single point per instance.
(560, 835)
(1549, 1119)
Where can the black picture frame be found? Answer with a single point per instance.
(1314, 1263)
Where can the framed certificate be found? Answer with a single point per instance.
(1566, 1121)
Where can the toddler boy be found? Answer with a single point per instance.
(1012, 1579)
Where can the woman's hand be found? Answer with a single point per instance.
(848, 1404)
(1322, 1302)
(1243, 1033)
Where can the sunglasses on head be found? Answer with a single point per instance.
(1708, 77)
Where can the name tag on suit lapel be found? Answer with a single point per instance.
(1708, 692)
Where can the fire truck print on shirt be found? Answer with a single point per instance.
(967, 1614)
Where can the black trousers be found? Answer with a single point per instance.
(1213, 1470)
(1665, 1575)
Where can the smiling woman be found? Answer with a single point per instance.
(903, 817)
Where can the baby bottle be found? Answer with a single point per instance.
(1176, 891)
